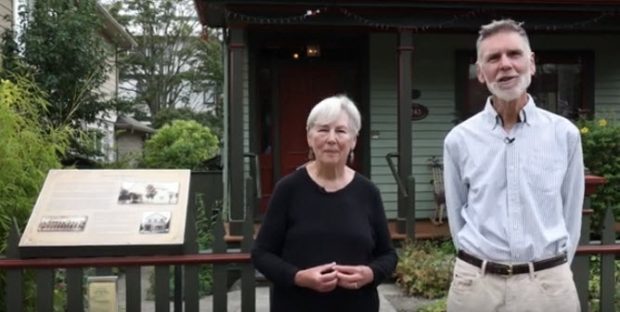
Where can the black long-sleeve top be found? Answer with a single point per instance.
(306, 226)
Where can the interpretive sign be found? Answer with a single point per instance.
(108, 212)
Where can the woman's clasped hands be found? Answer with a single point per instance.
(326, 277)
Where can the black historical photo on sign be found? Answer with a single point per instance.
(149, 193)
(155, 222)
(62, 224)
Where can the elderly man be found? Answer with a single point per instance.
(514, 182)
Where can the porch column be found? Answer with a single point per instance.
(405, 56)
(236, 191)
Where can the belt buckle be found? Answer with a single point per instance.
(509, 269)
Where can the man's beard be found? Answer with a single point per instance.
(513, 93)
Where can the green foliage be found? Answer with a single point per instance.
(173, 65)
(207, 119)
(28, 149)
(69, 63)
(594, 284)
(601, 152)
(425, 268)
(61, 46)
(180, 144)
(204, 227)
(440, 305)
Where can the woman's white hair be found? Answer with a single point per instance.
(329, 109)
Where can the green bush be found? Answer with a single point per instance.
(594, 284)
(601, 152)
(180, 144)
(29, 147)
(440, 305)
(425, 268)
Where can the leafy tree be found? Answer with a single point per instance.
(61, 47)
(28, 149)
(173, 66)
(61, 43)
(180, 144)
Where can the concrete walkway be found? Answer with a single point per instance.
(262, 301)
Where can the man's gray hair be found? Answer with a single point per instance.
(329, 109)
(495, 27)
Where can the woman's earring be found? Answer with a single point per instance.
(310, 154)
(351, 156)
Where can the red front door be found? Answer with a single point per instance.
(300, 87)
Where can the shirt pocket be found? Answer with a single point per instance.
(543, 173)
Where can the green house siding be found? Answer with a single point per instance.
(607, 84)
(246, 128)
(433, 75)
(383, 108)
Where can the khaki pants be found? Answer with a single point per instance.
(550, 290)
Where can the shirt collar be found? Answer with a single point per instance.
(527, 115)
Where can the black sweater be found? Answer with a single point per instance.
(306, 226)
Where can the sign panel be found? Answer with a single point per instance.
(120, 212)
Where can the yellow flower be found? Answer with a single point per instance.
(585, 130)
(602, 122)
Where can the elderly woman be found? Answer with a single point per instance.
(324, 243)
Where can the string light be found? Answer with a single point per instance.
(416, 28)
(273, 20)
(435, 25)
(577, 25)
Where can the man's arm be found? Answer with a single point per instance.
(573, 188)
(455, 189)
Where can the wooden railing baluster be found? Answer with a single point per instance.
(45, 290)
(608, 278)
(133, 289)
(75, 286)
(248, 278)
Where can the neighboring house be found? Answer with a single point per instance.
(6, 15)
(130, 137)
(116, 39)
(284, 56)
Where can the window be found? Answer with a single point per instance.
(563, 83)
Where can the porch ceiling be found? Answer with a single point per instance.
(421, 16)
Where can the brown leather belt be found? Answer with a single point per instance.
(510, 269)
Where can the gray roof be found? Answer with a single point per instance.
(128, 123)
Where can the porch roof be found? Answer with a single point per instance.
(421, 16)
(128, 123)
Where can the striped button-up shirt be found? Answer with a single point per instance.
(514, 196)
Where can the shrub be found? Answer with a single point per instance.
(594, 284)
(29, 147)
(425, 268)
(180, 144)
(601, 152)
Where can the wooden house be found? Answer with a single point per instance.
(408, 65)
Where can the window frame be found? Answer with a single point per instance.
(464, 58)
